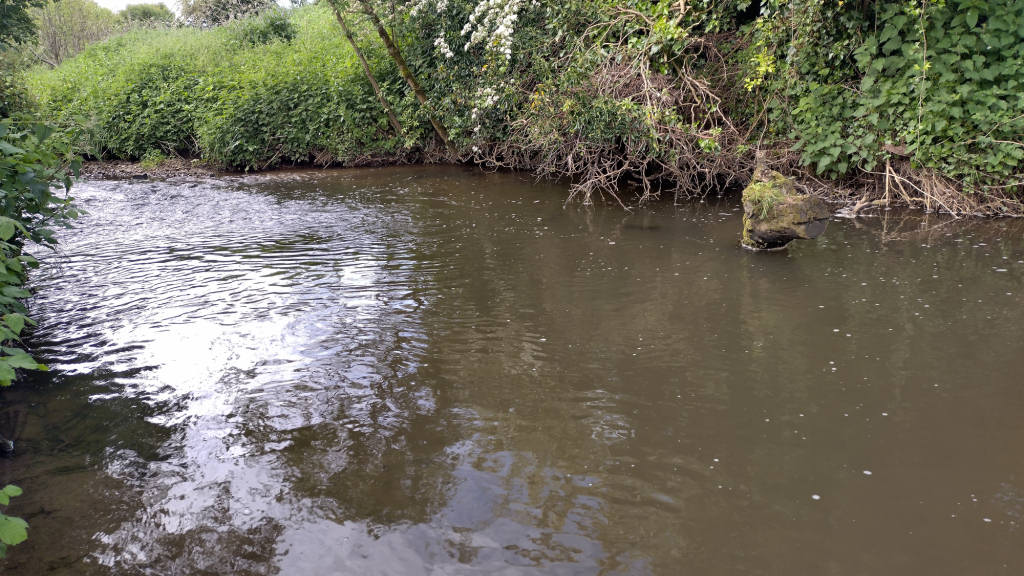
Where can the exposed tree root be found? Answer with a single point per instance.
(899, 184)
(690, 158)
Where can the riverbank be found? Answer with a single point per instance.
(846, 200)
(128, 170)
(675, 102)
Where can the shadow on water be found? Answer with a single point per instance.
(433, 370)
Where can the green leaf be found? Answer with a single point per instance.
(15, 321)
(11, 490)
(10, 149)
(21, 361)
(972, 18)
(6, 373)
(15, 292)
(7, 228)
(13, 530)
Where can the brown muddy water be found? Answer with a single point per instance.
(438, 371)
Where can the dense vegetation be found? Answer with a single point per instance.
(34, 181)
(147, 14)
(913, 101)
(52, 31)
(250, 95)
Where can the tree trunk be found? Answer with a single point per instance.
(369, 74)
(402, 67)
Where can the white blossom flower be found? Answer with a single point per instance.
(492, 24)
(416, 6)
(442, 45)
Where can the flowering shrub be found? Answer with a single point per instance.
(492, 23)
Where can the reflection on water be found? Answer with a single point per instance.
(437, 371)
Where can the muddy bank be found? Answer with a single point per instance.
(177, 167)
(845, 199)
(126, 170)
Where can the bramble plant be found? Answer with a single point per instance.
(933, 84)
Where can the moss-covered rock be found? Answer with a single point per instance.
(775, 214)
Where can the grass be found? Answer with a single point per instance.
(763, 197)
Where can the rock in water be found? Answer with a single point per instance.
(774, 214)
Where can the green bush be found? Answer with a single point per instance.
(127, 95)
(13, 95)
(265, 28)
(291, 104)
(153, 110)
(147, 14)
(253, 94)
(152, 159)
(938, 82)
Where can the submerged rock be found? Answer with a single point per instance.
(775, 214)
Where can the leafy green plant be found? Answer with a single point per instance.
(152, 158)
(937, 82)
(16, 23)
(31, 173)
(14, 96)
(270, 26)
(13, 530)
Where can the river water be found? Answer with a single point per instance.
(439, 371)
